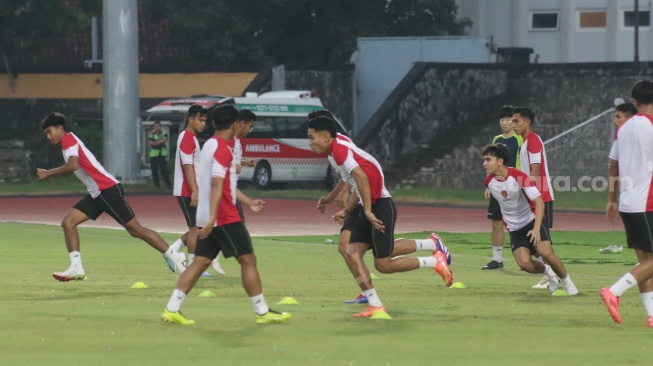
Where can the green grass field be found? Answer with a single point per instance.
(497, 320)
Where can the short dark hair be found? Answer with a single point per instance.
(525, 112)
(506, 111)
(628, 108)
(322, 123)
(156, 123)
(223, 116)
(321, 113)
(54, 119)
(196, 109)
(499, 151)
(246, 115)
(643, 92)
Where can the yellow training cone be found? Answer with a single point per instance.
(458, 285)
(288, 301)
(139, 285)
(206, 293)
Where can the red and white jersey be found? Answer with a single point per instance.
(633, 149)
(188, 153)
(343, 174)
(348, 156)
(515, 195)
(237, 152)
(90, 172)
(532, 152)
(215, 161)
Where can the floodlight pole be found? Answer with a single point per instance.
(636, 58)
(121, 111)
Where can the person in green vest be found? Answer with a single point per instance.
(158, 154)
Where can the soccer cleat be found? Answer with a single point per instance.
(272, 317)
(175, 318)
(442, 268)
(612, 249)
(206, 275)
(71, 274)
(360, 299)
(176, 262)
(612, 303)
(215, 265)
(571, 290)
(369, 311)
(440, 247)
(493, 265)
(544, 283)
(554, 284)
(649, 323)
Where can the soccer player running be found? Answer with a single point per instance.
(631, 159)
(106, 195)
(522, 208)
(513, 143)
(340, 195)
(185, 183)
(374, 229)
(534, 164)
(243, 127)
(222, 228)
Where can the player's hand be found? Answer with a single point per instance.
(487, 193)
(535, 237)
(239, 168)
(193, 199)
(378, 224)
(42, 173)
(257, 206)
(341, 216)
(322, 204)
(612, 212)
(250, 163)
(341, 200)
(206, 230)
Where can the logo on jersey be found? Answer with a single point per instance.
(504, 194)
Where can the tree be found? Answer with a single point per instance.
(252, 32)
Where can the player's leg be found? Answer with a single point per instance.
(547, 222)
(431, 244)
(498, 235)
(545, 249)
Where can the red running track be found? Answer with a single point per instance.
(282, 216)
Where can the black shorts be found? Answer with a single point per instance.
(494, 210)
(547, 220)
(518, 238)
(351, 220)
(232, 239)
(111, 200)
(240, 211)
(362, 230)
(189, 212)
(639, 226)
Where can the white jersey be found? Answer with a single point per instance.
(343, 173)
(515, 195)
(633, 149)
(90, 171)
(188, 153)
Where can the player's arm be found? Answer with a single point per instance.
(363, 184)
(255, 204)
(535, 171)
(341, 199)
(612, 209)
(341, 216)
(189, 172)
(324, 201)
(71, 165)
(214, 202)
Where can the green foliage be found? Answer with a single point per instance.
(297, 31)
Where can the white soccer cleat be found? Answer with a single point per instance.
(71, 274)
(544, 283)
(176, 262)
(571, 290)
(554, 284)
(215, 265)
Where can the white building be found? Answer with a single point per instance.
(562, 31)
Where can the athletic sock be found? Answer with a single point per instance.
(176, 246)
(567, 281)
(540, 259)
(427, 262)
(549, 271)
(372, 298)
(624, 284)
(191, 258)
(259, 304)
(175, 301)
(75, 259)
(425, 244)
(497, 254)
(647, 300)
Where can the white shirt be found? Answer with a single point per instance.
(515, 195)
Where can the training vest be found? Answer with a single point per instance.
(161, 150)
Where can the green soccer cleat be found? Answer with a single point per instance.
(175, 318)
(272, 317)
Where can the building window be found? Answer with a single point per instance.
(644, 18)
(545, 21)
(592, 19)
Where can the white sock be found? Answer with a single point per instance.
(624, 284)
(497, 254)
(425, 244)
(176, 246)
(427, 262)
(259, 304)
(169, 252)
(372, 297)
(647, 300)
(540, 259)
(549, 271)
(191, 258)
(567, 281)
(175, 301)
(75, 259)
